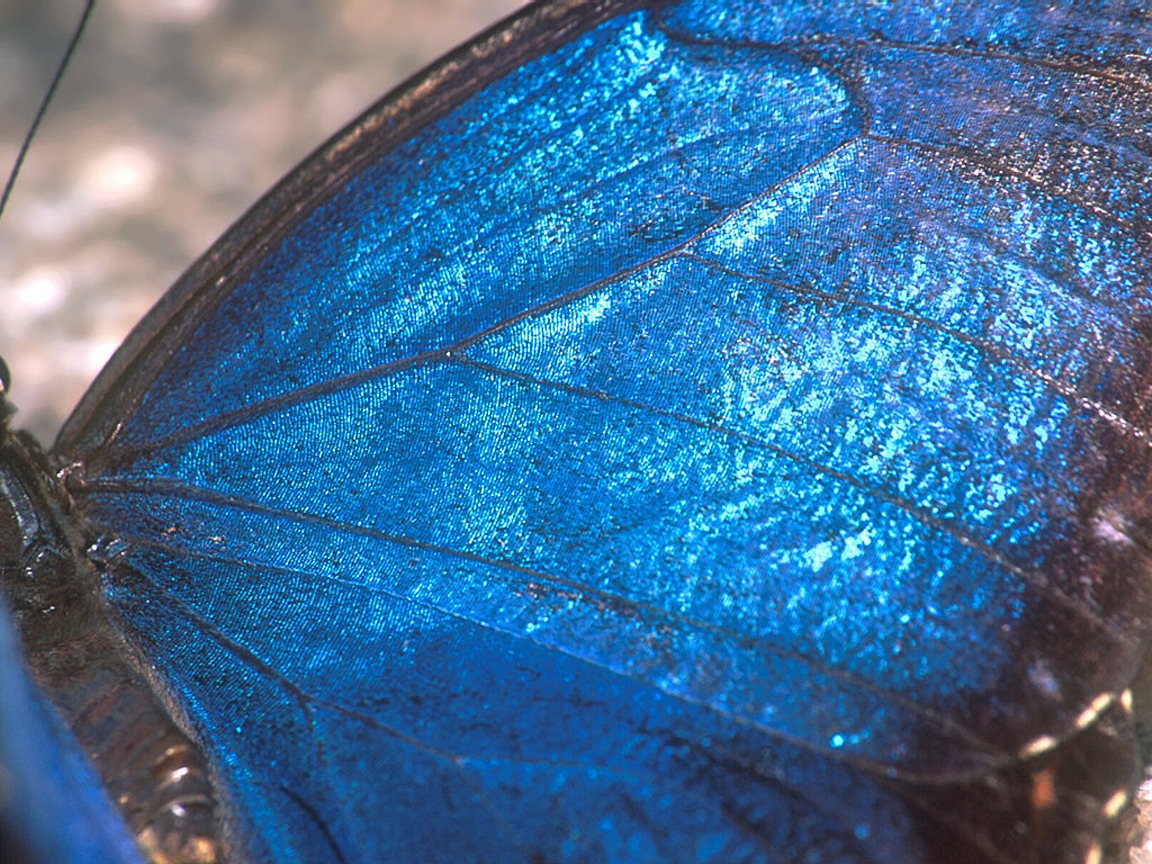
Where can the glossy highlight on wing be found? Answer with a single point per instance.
(720, 437)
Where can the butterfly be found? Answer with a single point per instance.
(665, 431)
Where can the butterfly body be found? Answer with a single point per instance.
(719, 431)
(77, 656)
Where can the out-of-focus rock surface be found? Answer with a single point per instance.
(174, 117)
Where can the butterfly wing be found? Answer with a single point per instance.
(704, 432)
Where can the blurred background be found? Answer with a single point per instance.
(173, 118)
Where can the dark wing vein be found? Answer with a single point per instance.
(646, 611)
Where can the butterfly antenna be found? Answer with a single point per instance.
(77, 33)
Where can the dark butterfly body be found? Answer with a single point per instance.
(700, 431)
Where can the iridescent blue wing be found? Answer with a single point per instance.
(709, 432)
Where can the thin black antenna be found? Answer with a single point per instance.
(26, 145)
